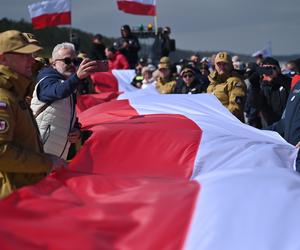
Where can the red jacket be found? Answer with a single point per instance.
(118, 62)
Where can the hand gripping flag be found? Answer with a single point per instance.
(50, 13)
(138, 7)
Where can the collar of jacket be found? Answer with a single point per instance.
(215, 78)
(14, 82)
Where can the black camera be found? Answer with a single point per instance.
(268, 71)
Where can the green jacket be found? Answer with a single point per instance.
(22, 161)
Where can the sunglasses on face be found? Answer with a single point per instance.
(188, 76)
(69, 61)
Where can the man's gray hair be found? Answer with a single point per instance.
(62, 46)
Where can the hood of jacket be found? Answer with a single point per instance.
(14, 82)
(49, 72)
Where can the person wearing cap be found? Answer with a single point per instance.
(269, 91)
(188, 83)
(116, 60)
(22, 159)
(165, 82)
(128, 45)
(54, 98)
(227, 85)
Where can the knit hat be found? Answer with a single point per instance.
(15, 41)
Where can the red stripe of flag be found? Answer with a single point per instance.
(137, 8)
(134, 139)
(53, 19)
(104, 82)
(83, 211)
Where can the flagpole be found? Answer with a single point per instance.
(155, 18)
(155, 24)
(70, 28)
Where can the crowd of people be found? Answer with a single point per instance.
(41, 94)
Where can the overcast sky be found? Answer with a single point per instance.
(242, 26)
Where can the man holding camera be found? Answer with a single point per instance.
(54, 98)
(269, 91)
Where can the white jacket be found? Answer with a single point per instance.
(55, 123)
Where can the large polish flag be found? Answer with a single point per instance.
(50, 13)
(138, 7)
(162, 172)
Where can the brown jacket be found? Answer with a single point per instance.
(231, 92)
(22, 161)
(165, 87)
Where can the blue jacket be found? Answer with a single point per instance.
(50, 89)
(289, 125)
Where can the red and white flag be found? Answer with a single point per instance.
(50, 13)
(138, 7)
(162, 172)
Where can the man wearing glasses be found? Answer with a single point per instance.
(22, 160)
(54, 98)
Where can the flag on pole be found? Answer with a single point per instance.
(50, 13)
(138, 7)
(265, 52)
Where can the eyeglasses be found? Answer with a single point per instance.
(188, 76)
(69, 61)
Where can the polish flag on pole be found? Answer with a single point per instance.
(138, 7)
(50, 13)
